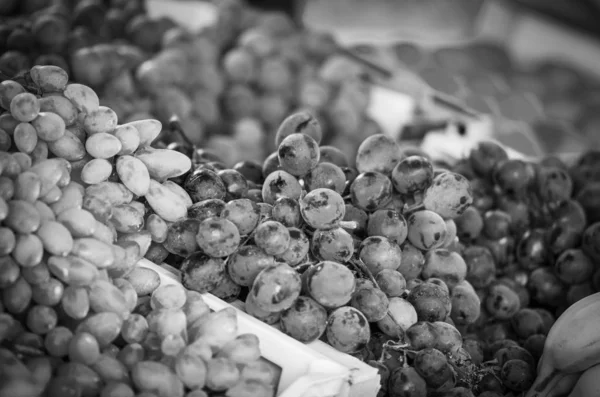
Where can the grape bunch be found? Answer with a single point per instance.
(81, 200)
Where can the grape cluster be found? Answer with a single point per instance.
(78, 316)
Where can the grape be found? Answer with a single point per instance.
(201, 272)
(243, 213)
(570, 215)
(322, 208)
(379, 253)
(204, 184)
(502, 302)
(448, 195)
(412, 262)
(377, 153)
(332, 245)
(469, 224)
(517, 375)
(333, 155)
(574, 267)
(297, 249)
(244, 265)
(236, 185)
(485, 156)
(255, 311)
(591, 241)
(326, 175)
(218, 237)
(270, 165)
(208, 208)
(347, 330)
(305, 321)
(181, 237)
(84, 348)
(298, 154)
(445, 265)
(371, 302)
(406, 382)
(431, 302)
(400, 316)
(371, 191)
(360, 217)
(329, 283)
(391, 282)
(276, 288)
(432, 366)
(426, 230)
(412, 175)
(466, 304)
(532, 250)
(272, 237)
(389, 224)
(280, 184)
(514, 177)
(251, 170)
(287, 211)
(496, 224)
(221, 374)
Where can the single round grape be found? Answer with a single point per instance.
(527, 322)
(412, 261)
(299, 123)
(517, 375)
(202, 184)
(84, 348)
(208, 208)
(388, 223)
(267, 317)
(449, 195)
(322, 208)
(587, 198)
(379, 253)
(570, 215)
(514, 177)
(371, 302)
(554, 184)
(221, 374)
(360, 217)
(485, 156)
(202, 273)
(244, 265)
(532, 249)
(330, 284)
(287, 212)
(426, 230)
(469, 224)
(481, 266)
(448, 266)
(496, 224)
(251, 170)
(276, 288)
(391, 282)
(377, 153)
(243, 213)
(280, 184)
(535, 345)
(298, 154)
(270, 164)
(421, 335)
(483, 194)
(57, 341)
(406, 382)
(334, 245)
(573, 266)
(433, 367)
(518, 211)
(333, 155)
(590, 242)
(326, 175)
(412, 175)
(305, 321)
(236, 185)
(431, 301)
(371, 191)
(181, 237)
(272, 237)
(218, 237)
(41, 319)
(502, 302)
(347, 330)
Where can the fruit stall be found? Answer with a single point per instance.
(210, 199)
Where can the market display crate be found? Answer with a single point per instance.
(311, 370)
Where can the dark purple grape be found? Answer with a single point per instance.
(421, 335)
(360, 217)
(347, 330)
(332, 245)
(236, 185)
(469, 224)
(272, 237)
(322, 208)
(331, 154)
(215, 166)
(287, 211)
(391, 282)
(412, 262)
(243, 213)
(532, 249)
(463, 167)
(496, 224)
(276, 288)
(444, 265)
(371, 191)
(270, 165)
(474, 348)
(481, 266)
(535, 345)
(329, 283)
(518, 211)
(590, 242)
(517, 375)
(297, 249)
(377, 153)
(203, 184)
(280, 184)
(426, 230)
(485, 156)
(251, 170)
(449, 195)
(431, 302)
(502, 250)
(218, 237)
(508, 353)
(412, 175)
(326, 175)
(202, 273)
(574, 267)
(560, 239)
(545, 287)
(406, 382)
(514, 177)
(588, 198)
(181, 237)
(208, 208)
(244, 265)
(305, 321)
(527, 322)
(299, 123)
(554, 184)
(433, 366)
(570, 214)
(579, 291)
(255, 195)
(483, 194)
(388, 223)
(351, 174)
(379, 253)
(298, 154)
(371, 302)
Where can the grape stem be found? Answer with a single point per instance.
(408, 210)
(365, 270)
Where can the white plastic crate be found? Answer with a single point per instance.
(313, 370)
(191, 14)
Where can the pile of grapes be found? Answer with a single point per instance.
(77, 316)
